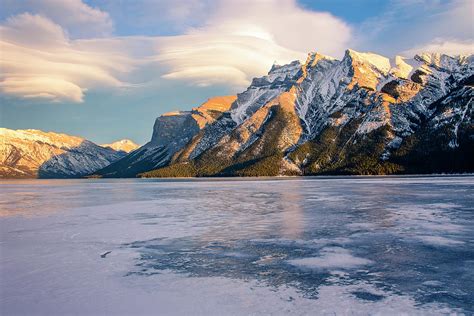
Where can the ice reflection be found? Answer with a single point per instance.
(293, 214)
(43, 197)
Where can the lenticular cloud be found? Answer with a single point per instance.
(238, 41)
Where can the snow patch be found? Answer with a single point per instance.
(379, 62)
(331, 257)
(440, 241)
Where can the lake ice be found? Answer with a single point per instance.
(354, 245)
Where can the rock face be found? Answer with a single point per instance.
(33, 154)
(364, 114)
(125, 145)
(171, 133)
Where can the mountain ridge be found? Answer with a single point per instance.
(349, 116)
(33, 153)
(171, 132)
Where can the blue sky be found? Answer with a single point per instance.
(105, 69)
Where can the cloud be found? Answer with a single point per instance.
(39, 87)
(409, 24)
(241, 40)
(236, 42)
(62, 48)
(39, 61)
(78, 18)
(157, 17)
(448, 29)
(206, 59)
(450, 47)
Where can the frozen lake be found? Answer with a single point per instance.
(382, 245)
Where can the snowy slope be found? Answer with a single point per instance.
(125, 145)
(34, 153)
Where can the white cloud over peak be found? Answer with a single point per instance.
(408, 24)
(241, 39)
(446, 46)
(206, 59)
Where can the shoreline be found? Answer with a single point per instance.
(312, 177)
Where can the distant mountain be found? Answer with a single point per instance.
(34, 153)
(125, 145)
(171, 133)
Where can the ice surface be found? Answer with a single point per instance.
(357, 246)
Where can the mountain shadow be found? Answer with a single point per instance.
(78, 161)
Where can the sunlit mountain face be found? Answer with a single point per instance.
(364, 114)
(34, 153)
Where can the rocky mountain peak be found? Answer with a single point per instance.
(178, 127)
(125, 145)
(313, 58)
(377, 62)
(171, 132)
(443, 62)
(219, 103)
(213, 108)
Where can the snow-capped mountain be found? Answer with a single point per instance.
(34, 153)
(125, 145)
(364, 114)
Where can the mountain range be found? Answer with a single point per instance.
(37, 154)
(363, 114)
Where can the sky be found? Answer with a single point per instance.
(105, 69)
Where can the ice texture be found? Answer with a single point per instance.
(342, 245)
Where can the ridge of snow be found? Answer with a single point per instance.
(444, 61)
(125, 145)
(63, 140)
(33, 151)
(378, 61)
